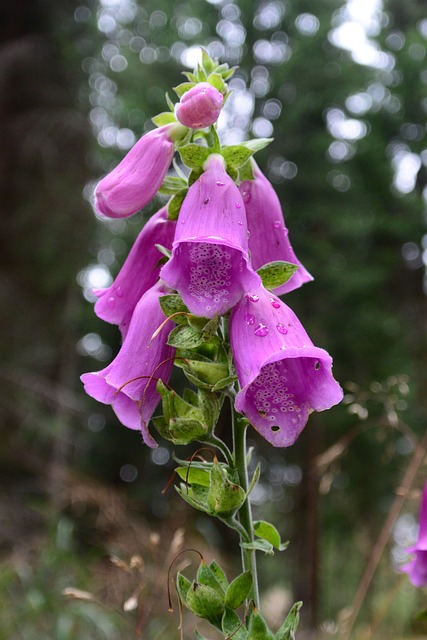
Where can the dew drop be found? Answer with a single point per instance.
(253, 298)
(238, 205)
(248, 234)
(277, 224)
(261, 330)
(275, 303)
(249, 318)
(240, 223)
(220, 184)
(246, 197)
(206, 201)
(111, 301)
(283, 347)
(281, 328)
(119, 292)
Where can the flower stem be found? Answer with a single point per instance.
(245, 513)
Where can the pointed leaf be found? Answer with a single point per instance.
(210, 406)
(258, 629)
(236, 155)
(217, 81)
(290, 625)
(185, 337)
(208, 372)
(206, 576)
(232, 626)
(183, 88)
(175, 204)
(238, 590)
(219, 574)
(255, 478)
(182, 586)
(169, 102)
(224, 382)
(257, 144)
(194, 475)
(274, 274)
(163, 118)
(259, 545)
(246, 172)
(267, 531)
(207, 63)
(172, 184)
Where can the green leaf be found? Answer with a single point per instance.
(185, 337)
(238, 590)
(236, 155)
(207, 63)
(211, 328)
(233, 173)
(190, 76)
(274, 274)
(217, 81)
(183, 88)
(175, 203)
(257, 144)
(191, 397)
(224, 496)
(165, 252)
(267, 531)
(208, 372)
(194, 155)
(206, 576)
(204, 601)
(219, 574)
(259, 545)
(246, 172)
(229, 73)
(195, 496)
(255, 478)
(210, 407)
(290, 625)
(166, 117)
(182, 586)
(232, 626)
(169, 102)
(194, 175)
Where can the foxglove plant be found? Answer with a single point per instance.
(212, 310)
(417, 567)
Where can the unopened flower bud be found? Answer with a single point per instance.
(200, 106)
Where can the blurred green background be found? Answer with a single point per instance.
(341, 86)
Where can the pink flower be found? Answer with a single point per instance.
(268, 240)
(139, 272)
(200, 106)
(417, 567)
(138, 177)
(282, 375)
(210, 266)
(129, 382)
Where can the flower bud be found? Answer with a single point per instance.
(200, 106)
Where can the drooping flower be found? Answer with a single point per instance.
(282, 375)
(138, 177)
(210, 267)
(417, 567)
(128, 383)
(139, 272)
(268, 240)
(200, 106)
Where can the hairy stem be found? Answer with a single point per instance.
(245, 513)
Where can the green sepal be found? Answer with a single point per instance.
(210, 406)
(236, 155)
(175, 204)
(246, 172)
(166, 117)
(211, 327)
(219, 574)
(193, 475)
(207, 373)
(232, 626)
(255, 479)
(165, 252)
(201, 75)
(172, 185)
(183, 88)
(238, 590)
(256, 144)
(267, 531)
(228, 73)
(172, 303)
(290, 625)
(194, 155)
(224, 383)
(259, 545)
(224, 497)
(233, 173)
(190, 76)
(207, 63)
(217, 81)
(182, 422)
(181, 431)
(191, 397)
(257, 628)
(182, 587)
(198, 635)
(195, 496)
(204, 601)
(194, 175)
(274, 274)
(185, 337)
(206, 576)
(169, 102)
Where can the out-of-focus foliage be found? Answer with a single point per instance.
(343, 93)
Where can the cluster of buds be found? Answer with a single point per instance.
(200, 286)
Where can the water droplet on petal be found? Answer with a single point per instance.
(275, 303)
(277, 224)
(249, 318)
(246, 197)
(240, 223)
(220, 184)
(238, 205)
(261, 330)
(281, 328)
(283, 347)
(253, 298)
(111, 301)
(248, 234)
(119, 292)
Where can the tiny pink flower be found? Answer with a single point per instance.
(417, 567)
(282, 375)
(200, 106)
(268, 240)
(139, 272)
(210, 267)
(128, 383)
(138, 177)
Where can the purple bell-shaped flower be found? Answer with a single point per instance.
(417, 567)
